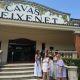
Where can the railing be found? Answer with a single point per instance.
(68, 54)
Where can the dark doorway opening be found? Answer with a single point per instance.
(21, 50)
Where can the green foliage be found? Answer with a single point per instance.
(73, 62)
(42, 10)
(2, 4)
(64, 17)
(79, 78)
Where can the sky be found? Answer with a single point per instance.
(68, 6)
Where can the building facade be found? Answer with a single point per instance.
(28, 26)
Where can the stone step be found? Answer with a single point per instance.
(23, 71)
(19, 79)
(19, 65)
(16, 76)
(16, 68)
(16, 72)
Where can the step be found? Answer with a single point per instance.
(16, 76)
(23, 71)
(16, 68)
(16, 72)
(19, 65)
(20, 79)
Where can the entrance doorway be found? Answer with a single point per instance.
(21, 50)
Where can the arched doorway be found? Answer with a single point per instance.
(21, 50)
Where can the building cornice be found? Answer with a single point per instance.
(26, 24)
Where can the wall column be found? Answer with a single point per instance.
(72, 73)
(4, 47)
(77, 43)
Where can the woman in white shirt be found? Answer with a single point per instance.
(45, 67)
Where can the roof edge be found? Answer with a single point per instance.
(56, 11)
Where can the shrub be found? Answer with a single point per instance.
(73, 62)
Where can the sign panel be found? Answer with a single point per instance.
(25, 12)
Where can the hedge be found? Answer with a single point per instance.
(73, 62)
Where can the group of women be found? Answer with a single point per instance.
(51, 67)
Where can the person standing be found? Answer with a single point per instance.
(50, 67)
(61, 70)
(37, 65)
(45, 66)
(54, 67)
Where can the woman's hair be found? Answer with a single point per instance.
(58, 55)
(50, 57)
(37, 52)
(46, 53)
